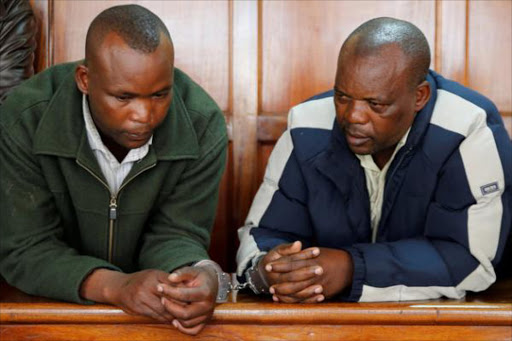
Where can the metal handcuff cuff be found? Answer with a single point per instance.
(229, 283)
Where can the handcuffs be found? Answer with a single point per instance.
(228, 283)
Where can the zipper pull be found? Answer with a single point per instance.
(112, 214)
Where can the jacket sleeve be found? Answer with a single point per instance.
(33, 254)
(465, 231)
(279, 213)
(178, 233)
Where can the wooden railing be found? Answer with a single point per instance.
(482, 316)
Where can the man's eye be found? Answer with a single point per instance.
(342, 99)
(123, 98)
(377, 106)
(161, 95)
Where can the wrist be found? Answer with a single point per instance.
(223, 279)
(256, 277)
(101, 285)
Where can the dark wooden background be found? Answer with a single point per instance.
(259, 58)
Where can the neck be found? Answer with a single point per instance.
(382, 157)
(116, 149)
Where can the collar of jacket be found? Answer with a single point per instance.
(61, 131)
(338, 163)
(422, 119)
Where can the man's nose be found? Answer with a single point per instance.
(356, 112)
(142, 111)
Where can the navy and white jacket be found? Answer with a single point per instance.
(447, 203)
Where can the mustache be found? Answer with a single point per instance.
(351, 130)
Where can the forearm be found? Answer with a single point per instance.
(101, 285)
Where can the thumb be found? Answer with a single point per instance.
(289, 249)
(185, 274)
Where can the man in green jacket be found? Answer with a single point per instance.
(109, 178)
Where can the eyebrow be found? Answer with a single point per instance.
(339, 92)
(128, 93)
(167, 88)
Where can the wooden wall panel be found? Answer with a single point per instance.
(43, 12)
(223, 241)
(301, 40)
(451, 39)
(200, 32)
(489, 52)
(245, 105)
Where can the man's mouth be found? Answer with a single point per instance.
(138, 136)
(356, 139)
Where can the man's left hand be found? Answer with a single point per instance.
(190, 298)
(337, 274)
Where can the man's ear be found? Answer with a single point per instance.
(82, 78)
(422, 95)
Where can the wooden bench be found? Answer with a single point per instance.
(482, 316)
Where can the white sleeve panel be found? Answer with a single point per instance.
(484, 172)
(456, 114)
(405, 293)
(318, 114)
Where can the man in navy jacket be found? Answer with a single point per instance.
(394, 186)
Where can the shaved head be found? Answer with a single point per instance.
(140, 29)
(369, 39)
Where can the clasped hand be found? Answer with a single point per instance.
(185, 298)
(306, 276)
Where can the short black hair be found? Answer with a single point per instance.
(368, 38)
(137, 26)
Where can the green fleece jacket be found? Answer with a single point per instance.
(58, 219)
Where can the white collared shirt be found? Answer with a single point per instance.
(375, 183)
(114, 172)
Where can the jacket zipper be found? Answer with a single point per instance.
(112, 216)
(112, 208)
(374, 232)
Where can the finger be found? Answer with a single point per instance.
(186, 274)
(153, 313)
(188, 312)
(302, 274)
(186, 294)
(285, 299)
(288, 249)
(291, 299)
(302, 291)
(282, 250)
(314, 299)
(190, 331)
(286, 266)
(154, 304)
(299, 256)
(194, 322)
(148, 303)
(162, 277)
(160, 289)
(293, 288)
(308, 253)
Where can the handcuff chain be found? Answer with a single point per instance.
(238, 286)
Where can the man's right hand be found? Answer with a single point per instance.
(299, 279)
(135, 293)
